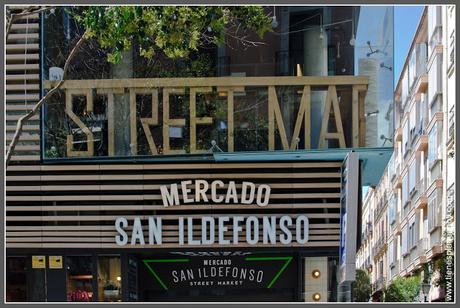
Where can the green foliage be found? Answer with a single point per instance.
(426, 268)
(441, 266)
(110, 286)
(174, 30)
(403, 289)
(200, 65)
(362, 286)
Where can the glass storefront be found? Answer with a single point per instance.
(228, 98)
(17, 279)
(79, 278)
(178, 275)
(24, 282)
(109, 278)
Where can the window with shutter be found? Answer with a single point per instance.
(433, 146)
(405, 191)
(404, 242)
(412, 173)
(434, 212)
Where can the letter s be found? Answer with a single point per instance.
(174, 274)
(122, 237)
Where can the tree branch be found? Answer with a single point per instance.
(37, 106)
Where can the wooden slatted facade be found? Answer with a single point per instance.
(76, 205)
(22, 76)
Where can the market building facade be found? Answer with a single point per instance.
(150, 181)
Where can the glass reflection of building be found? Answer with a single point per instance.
(305, 41)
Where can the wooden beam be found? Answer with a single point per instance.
(275, 116)
(303, 114)
(168, 122)
(331, 100)
(355, 117)
(89, 134)
(362, 119)
(313, 81)
(194, 121)
(110, 116)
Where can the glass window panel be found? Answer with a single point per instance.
(412, 173)
(210, 115)
(411, 71)
(16, 275)
(109, 278)
(79, 278)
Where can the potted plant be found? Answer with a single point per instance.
(111, 289)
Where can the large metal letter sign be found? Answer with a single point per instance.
(348, 224)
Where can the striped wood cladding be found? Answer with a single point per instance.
(76, 205)
(22, 74)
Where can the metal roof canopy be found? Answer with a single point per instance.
(374, 160)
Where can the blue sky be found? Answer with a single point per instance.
(406, 19)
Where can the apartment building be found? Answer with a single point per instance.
(449, 42)
(419, 180)
(363, 255)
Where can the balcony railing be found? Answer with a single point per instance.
(422, 247)
(406, 260)
(413, 134)
(367, 262)
(406, 209)
(367, 231)
(436, 39)
(380, 205)
(394, 268)
(379, 244)
(379, 284)
(407, 148)
(421, 140)
(395, 222)
(421, 189)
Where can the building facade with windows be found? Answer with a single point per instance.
(232, 174)
(421, 174)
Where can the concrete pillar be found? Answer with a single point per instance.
(315, 64)
(124, 69)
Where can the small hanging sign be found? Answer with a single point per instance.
(38, 262)
(55, 262)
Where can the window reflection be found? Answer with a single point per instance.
(79, 278)
(201, 116)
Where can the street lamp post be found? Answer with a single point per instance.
(425, 290)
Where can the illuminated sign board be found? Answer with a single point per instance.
(235, 270)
